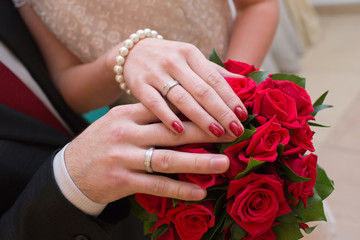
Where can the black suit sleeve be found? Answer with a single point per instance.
(41, 212)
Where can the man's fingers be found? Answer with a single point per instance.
(166, 187)
(170, 161)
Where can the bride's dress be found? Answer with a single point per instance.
(91, 27)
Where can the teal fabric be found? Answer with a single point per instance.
(96, 114)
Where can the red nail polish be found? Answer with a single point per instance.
(216, 130)
(240, 113)
(236, 128)
(177, 126)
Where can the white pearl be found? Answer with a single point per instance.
(123, 51)
(120, 60)
(160, 37)
(119, 78)
(128, 92)
(123, 86)
(154, 33)
(147, 32)
(134, 37)
(118, 69)
(140, 33)
(128, 43)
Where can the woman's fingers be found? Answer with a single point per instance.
(158, 134)
(216, 116)
(206, 70)
(154, 101)
(165, 187)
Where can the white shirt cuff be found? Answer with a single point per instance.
(71, 191)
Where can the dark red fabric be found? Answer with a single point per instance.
(16, 95)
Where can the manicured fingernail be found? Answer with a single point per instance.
(177, 127)
(240, 113)
(198, 193)
(218, 163)
(216, 130)
(236, 128)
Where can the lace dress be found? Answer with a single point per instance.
(91, 27)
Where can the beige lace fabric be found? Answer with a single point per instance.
(91, 27)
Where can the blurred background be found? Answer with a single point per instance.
(320, 40)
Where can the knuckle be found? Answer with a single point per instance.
(153, 102)
(201, 91)
(166, 163)
(198, 164)
(168, 62)
(187, 49)
(178, 97)
(214, 79)
(159, 187)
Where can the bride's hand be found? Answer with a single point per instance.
(203, 95)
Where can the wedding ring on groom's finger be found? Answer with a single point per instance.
(147, 162)
(168, 86)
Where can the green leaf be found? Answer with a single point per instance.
(290, 77)
(280, 149)
(175, 202)
(159, 231)
(258, 76)
(252, 165)
(321, 99)
(288, 228)
(211, 195)
(290, 197)
(224, 186)
(147, 226)
(248, 120)
(314, 210)
(237, 232)
(316, 124)
(319, 108)
(140, 212)
(246, 135)
(324, 186)
(215, 58)
(309, 230)
(228, 221)
(218, 223)
(220, 203)
(290, 175)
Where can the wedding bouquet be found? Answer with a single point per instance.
(273, 186)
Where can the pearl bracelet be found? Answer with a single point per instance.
(124, 51)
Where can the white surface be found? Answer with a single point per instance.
(332, 2)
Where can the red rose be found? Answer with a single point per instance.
(192, 221)
(239, 67)
(243, 87)
(154, 204)
(273, 102)
(269, 235)
(302, 137)
(291, 150)
(305, 167)
(203, 180)
(262, 145)
(255, 201)
(302, 99)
